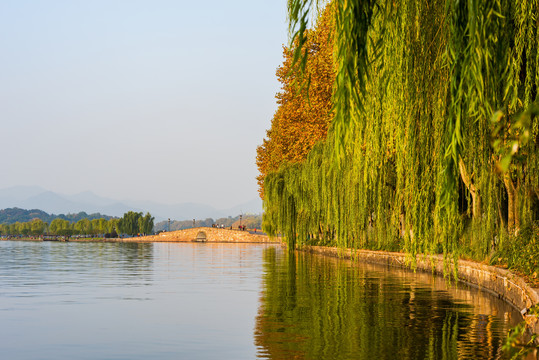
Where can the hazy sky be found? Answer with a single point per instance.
(144, 100)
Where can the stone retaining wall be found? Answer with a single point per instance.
(506, 285)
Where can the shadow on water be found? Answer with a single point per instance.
(315, 307)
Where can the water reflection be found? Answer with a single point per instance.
(200, 301)
(315, 307)
(66, 271)
(128, 300)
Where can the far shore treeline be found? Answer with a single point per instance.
(31, 223)
(131, 223)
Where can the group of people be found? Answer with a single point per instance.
(222, 226)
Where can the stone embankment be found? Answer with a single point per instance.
(206, 234)
(501, 282)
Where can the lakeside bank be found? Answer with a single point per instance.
(201, 234)
(501, 282)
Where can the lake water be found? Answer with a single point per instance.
(231, 301)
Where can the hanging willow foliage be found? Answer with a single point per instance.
(435, 129)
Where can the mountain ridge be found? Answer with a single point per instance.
(35, 197)
(13, 215)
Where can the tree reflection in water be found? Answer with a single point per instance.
(315, 307)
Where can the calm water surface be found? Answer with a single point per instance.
(231, 301)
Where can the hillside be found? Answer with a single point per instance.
(13, 215)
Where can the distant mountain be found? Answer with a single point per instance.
(33, 197)
(88, 197)
(10, 197)
(177, 211)
(52, 203)
(252, 207)
(12, 215)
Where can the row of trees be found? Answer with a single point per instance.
(433, 137)
(131, 223)
(37, 227)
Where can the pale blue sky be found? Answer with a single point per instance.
(144, 100)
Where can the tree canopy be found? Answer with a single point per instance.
(304, 113)
(133, 223)
(434, 135)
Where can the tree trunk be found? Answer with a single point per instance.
(516, 203)
(402, 226)
(476, 198)
(513, 216)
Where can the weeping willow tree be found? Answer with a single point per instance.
(434, 142)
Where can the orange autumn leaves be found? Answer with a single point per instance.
(305, 102)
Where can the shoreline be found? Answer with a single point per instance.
(501, 282)
(210, 235)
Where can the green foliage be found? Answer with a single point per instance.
(133, 223)
(420, 162)
(129, 223)
(83, 226)
(38, 227)
(518, 343)
(353, 20)
(58, 226)
(520, 253)
(146, 223)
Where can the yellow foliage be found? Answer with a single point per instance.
(305, 102)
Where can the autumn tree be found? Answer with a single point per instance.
(304, 112)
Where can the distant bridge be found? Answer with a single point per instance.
(206, 234)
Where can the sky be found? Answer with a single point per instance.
(161, 100)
